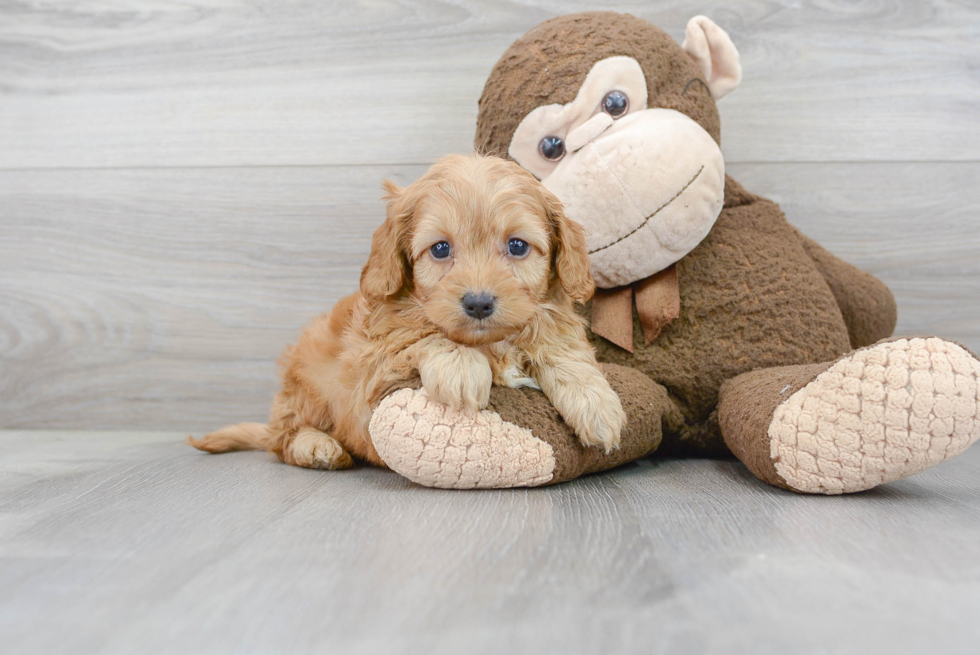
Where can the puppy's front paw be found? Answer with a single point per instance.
(603, 427)
(459, 378)
(596, 414)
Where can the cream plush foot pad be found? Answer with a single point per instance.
(880, 414)
(438, 447)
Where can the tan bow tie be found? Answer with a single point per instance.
(658, 302)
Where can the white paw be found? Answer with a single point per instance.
(317, 450)
(596, 414)
(460, 378)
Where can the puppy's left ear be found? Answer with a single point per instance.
(570, 255)
(386, 270)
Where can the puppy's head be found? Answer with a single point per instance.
(480, 245)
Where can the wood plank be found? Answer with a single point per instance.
(205, 83)
(125, 295)
(121, 543)
(161, 298)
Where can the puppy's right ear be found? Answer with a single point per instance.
(386, 270)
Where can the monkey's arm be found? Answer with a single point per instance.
(867, 304)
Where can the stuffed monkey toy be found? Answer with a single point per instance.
(722, 327)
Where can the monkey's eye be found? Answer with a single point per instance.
(441, 250)
(552, 148)
(518, 247)
(615, 104)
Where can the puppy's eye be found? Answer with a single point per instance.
(517, 247)
(441, 250)
(552, 148)
(615, 104)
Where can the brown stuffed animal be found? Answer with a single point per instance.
(722, 327)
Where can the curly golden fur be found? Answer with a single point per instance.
(409, 319)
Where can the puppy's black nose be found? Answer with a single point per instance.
(478, 305)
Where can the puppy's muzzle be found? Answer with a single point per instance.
(478, 305)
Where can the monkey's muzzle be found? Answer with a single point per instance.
(647, 189)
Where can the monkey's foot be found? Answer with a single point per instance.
(877, 415)
(520, 440)
(436, 446)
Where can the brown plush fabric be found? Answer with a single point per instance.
(745, 410)
(548, 64)
(867, 305)
(646, 403)
(751, 297)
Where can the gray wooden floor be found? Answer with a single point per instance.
(122, 542)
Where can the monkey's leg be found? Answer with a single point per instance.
(520, 440)
(875, 415)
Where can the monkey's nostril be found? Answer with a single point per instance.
(478, 305)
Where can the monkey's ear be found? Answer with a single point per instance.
(570, 256)
(386, 270)
(715, 54)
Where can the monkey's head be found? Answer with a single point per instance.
(619, 121)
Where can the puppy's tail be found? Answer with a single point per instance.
(241, 436)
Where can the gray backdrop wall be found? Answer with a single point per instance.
(182, 186)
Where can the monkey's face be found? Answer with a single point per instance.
(646, 183)
(619, 121)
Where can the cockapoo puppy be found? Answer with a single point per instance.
(471, 281)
